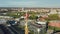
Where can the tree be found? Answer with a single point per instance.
(47, 25)
(33, 16)
(53, 16)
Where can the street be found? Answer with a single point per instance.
(10, 30)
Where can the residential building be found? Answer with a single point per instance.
(53, 11)
(54, 23)
(38, 27)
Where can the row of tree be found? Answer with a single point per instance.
(33, 15)
(53, 17)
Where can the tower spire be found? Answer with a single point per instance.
(26, 26)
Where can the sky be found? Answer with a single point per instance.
(29, 3)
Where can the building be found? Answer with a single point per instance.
(38, 27)
(35, 27)
(53, 11)
(3, 21)
(54, 23)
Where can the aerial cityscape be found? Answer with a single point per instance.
(29, 17)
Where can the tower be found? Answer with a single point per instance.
(26, 26)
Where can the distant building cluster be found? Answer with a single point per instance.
(46, 10)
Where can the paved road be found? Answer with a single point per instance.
(1, 32)
(14, 30)
(5, 30)
(19, 30)
(11, 30)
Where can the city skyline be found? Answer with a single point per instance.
(30, 3)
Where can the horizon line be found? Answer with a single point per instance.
(29, 7)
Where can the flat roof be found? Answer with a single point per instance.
(41, 22)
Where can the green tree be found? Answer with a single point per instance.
(33, 16)
(53, 16)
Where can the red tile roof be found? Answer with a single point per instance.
(55, 24)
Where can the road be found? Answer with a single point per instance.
(5, 30)
(19, 30)
(13, 29)
(1, 32)
(10, 30)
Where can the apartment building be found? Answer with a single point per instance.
(38, 27)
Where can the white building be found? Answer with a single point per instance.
(5, 17)
(38, 27)
(53, 11)
(3, 21)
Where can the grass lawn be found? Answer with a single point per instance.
(51, 27)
